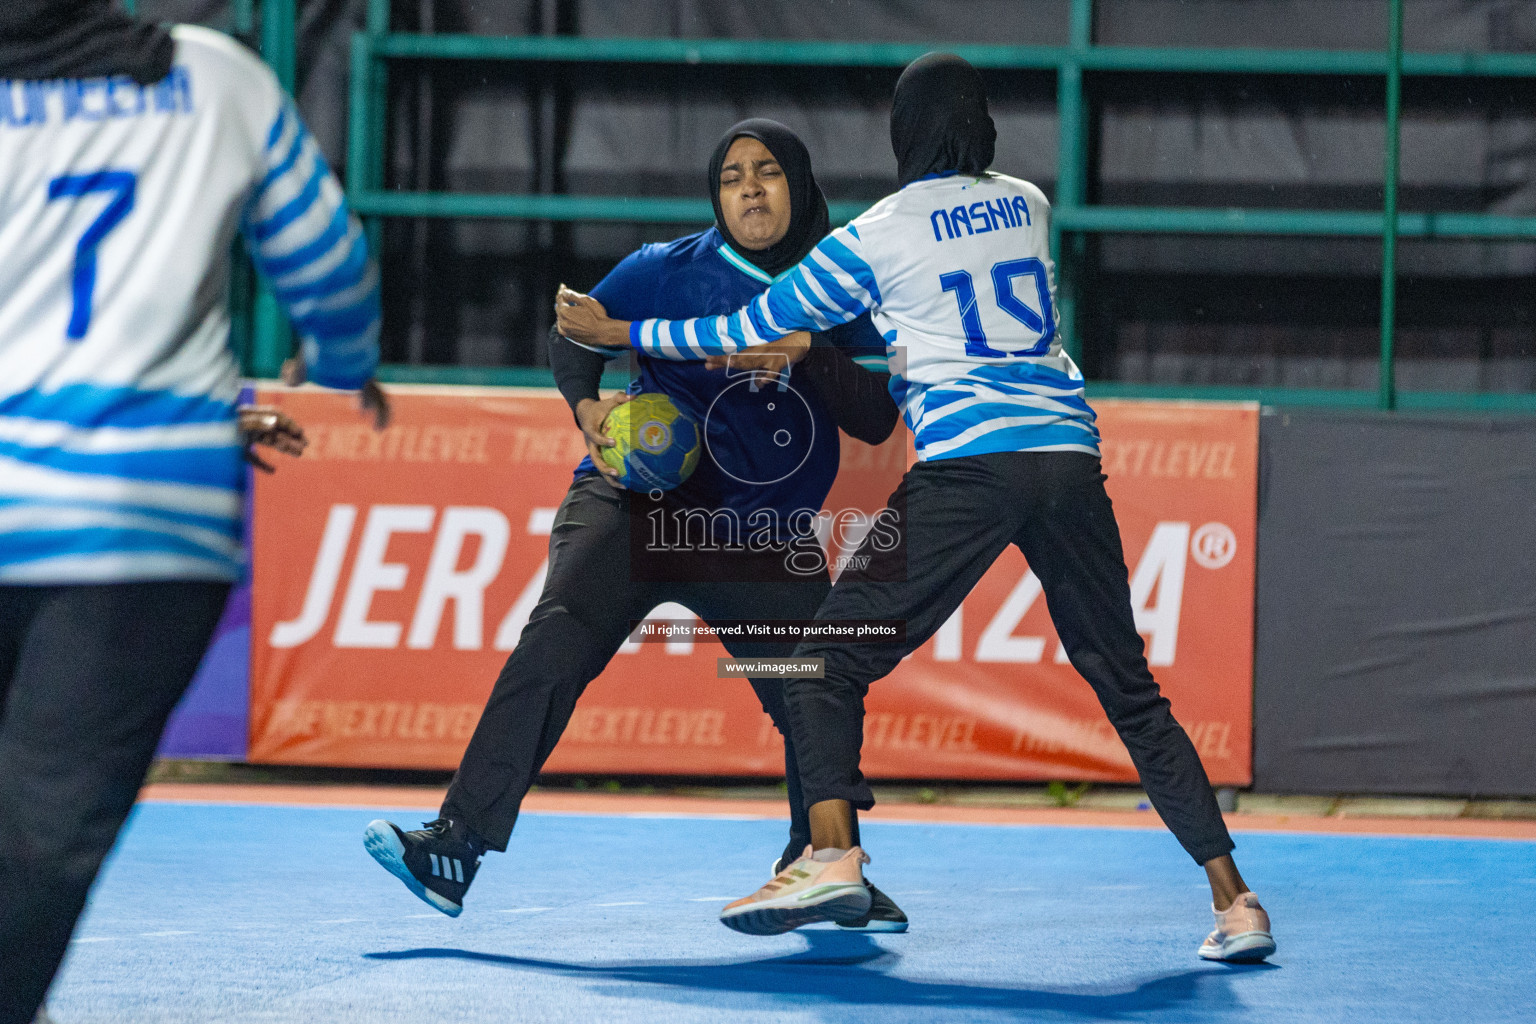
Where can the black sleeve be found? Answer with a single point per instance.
(578, 371)
(859, 399)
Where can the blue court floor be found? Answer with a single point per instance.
(253, 913)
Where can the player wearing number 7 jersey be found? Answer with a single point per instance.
(130, 158)
(955, 268)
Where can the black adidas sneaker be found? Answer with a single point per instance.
(883, 914)
(437, 862)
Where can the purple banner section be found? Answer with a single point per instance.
(212, 721)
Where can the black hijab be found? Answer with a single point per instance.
(808, 220)
(42, 39)
(939, 119)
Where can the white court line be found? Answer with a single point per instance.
(105, 938)
(156, 935)
(1236, 824)
(624, 903)
(523, 910)
(415, 917)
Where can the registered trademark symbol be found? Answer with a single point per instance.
(1213, 545)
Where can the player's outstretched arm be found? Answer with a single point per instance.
(832, 285)
(372, 399)
(582, 319)
(305, 240)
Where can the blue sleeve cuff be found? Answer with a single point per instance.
(328, 378)
(341, 374)
(634, 334)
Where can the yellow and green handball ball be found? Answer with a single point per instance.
(656, 444)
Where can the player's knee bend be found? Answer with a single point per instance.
(1121, 683)
(1148, 722)
(770, 696)
(848, 668)
(820, 697)
(558, 644)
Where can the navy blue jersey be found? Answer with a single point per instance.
(767, 449)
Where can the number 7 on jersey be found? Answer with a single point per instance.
(120, 185)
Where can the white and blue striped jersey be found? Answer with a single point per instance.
(958, 274)
(119, 204)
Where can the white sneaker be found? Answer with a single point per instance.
(1241, 935)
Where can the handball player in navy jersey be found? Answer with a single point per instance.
(604, 570)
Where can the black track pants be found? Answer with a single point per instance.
(590, 598)
(88, 676)
(958, 515)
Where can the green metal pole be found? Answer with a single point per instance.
(378, 93)
(272, 338)
(370, 105)
(378, 17)
(359, 145)
(242, 17)
(1387, 393)
(277, 39)
(243, 279)
(1071, 172)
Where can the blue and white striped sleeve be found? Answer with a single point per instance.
(306, 241)
(832, 285)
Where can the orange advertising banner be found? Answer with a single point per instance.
(394, 572)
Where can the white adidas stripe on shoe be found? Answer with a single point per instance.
(384, 846)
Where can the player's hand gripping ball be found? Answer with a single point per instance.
(656, 445)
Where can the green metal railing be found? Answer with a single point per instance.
(1074, 218)
(242, 15)
(271, 336)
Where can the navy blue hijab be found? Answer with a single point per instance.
(41, 39)
(808, 220)
(939, 119)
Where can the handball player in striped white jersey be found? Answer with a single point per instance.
(130, 158)
(956, 269)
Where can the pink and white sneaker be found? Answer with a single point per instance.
(827, 885)
(1241, 935)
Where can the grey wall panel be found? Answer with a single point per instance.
(1396, 647)
(1023, 22)
(1318, 24)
